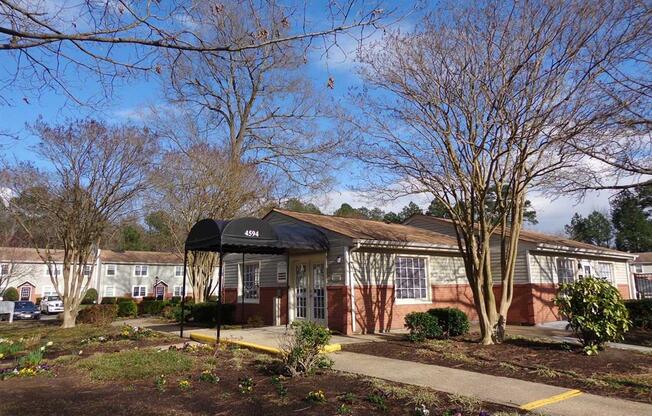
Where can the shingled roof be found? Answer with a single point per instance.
(543, 239)
(643, 257)
(30, 255)
(356, 228)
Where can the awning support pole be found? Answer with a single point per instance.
(242, 300)
(219, 300)
(287, 289)
(183, 291)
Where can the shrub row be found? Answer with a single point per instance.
(10, 293)
(640, 312)
(98, 314)
(437, 322)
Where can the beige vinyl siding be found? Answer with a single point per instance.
(521, 274)
(377, 267)
(124, 278)
(425, 223)
(543, 266)
(267, 272)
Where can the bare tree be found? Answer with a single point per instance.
(49, 44)
(197, 180)
(485, 97)
(257, 103)
(91, 174)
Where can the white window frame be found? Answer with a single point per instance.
(414, 300)
(256, 282)
(177, 290)
(109, 293)
(111, 269)
(141, 270)
(57, 270)
(638, 268)
(88, 270)
(139, 295)
(20, 292)
(178, 271)
(565, 262)
(48, 291)
(610, 266)
(5, 270)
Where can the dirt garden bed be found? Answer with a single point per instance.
(197, 381)
(81, 340)
(617, 373)
(641, 337)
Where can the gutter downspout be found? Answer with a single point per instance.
(630, 282)
(98, 275)
(351, 282)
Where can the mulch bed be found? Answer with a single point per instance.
(617, 373)
(639, 337)
(71, 392)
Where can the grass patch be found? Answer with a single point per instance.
(62, 338)
(508, 366)
(546, 372)
(136, 364)
(458, 356)
(412, 394)
(465, 403)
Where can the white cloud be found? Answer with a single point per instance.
(553, 214)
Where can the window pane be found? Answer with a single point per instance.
(410, 281)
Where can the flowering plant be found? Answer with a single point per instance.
(185, 385)
(316, 396)
(246, 385)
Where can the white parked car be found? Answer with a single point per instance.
(51, 304)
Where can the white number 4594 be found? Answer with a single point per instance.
(252, 233)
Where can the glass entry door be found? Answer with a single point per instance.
(309, 283)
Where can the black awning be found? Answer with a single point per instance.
(253, 235)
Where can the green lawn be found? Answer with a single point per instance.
(136, 364)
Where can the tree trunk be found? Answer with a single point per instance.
(69, 317)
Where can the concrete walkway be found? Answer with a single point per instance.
(502, 390)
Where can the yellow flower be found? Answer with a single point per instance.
(2, 356)
(49, 344)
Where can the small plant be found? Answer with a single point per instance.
(208, 377)
(246, 385)
(378, 401)
(185, 385)
(422, 326)
(347, 397)
(135, 333)
(11, 294)
(595, 311)
(33, 358)
(316, 396)
(302, 345)
(9, 348)
(344, 409)
(421, 410)
(277, 382)
(452, 321)
(161, 383)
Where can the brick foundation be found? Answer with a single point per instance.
(376, 309)
(264, 308)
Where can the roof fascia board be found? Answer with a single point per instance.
(402, 245)
(598, 253)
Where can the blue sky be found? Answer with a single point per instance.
(129, 99)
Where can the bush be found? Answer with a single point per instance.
(11, 294)
(640, 312)
(422, 326)
(152, 307)
(595, 311)
(302, 345)
(90, 297)
(453, 322)
(98, 314)
(109, 301)
(127, 308)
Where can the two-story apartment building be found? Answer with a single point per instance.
(129, 273)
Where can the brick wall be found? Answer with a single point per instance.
(376, 309)
(264, 308)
